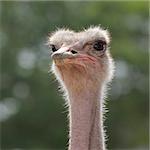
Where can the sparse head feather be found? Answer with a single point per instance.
(68, 36)
(60, 36)
(98, 32)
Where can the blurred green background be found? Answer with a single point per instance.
(32, 114)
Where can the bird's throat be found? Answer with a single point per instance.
(86, 125)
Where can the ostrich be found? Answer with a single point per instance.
(83, 66)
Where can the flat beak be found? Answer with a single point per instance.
(63, 53)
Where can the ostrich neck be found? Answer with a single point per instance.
(86, 125)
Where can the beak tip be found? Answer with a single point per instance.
(55, 55)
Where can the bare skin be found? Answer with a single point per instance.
(83, 66)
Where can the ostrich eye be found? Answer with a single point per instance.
(53, 48)
(99, 45)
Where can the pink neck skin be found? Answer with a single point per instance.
(86, 123)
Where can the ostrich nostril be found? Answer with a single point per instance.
(73, 51)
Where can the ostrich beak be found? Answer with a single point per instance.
(63, 53)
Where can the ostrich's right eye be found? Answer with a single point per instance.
(99, 45)
(53, 48)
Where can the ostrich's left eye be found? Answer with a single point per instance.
(99, 45)
(53, 48)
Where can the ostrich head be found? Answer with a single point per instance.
(81, 58)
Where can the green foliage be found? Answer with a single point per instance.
(32, 114)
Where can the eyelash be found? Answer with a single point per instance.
(91, 43)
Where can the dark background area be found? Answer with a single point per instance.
(32, 114)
